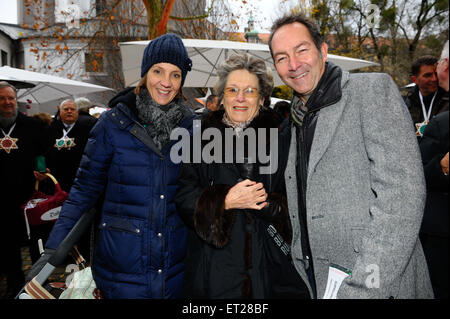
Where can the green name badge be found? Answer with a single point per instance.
(40, 164)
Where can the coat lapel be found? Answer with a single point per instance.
(327, 123)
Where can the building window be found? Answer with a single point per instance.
(100, 7)
(93, 62)
(4, 58)
(72, 10)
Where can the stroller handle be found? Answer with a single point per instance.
(75, 233)
(62, 250)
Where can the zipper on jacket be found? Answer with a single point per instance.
(303, 178)
(304, 162)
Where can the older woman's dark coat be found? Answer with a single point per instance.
(230, 254)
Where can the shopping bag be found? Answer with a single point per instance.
(82, 286)
(43, 208)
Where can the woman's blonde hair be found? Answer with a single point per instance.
(44, 117)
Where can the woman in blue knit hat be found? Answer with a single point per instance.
(140, 240)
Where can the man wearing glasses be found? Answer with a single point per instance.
(21, 142)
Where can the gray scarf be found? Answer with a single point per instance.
(158, 120)
(298, 110)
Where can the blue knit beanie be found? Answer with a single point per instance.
(168, 48)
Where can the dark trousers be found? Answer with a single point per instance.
(436, 252)
(11, 266)
(12, 238)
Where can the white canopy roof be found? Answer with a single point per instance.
(47, 87)
(206, 55)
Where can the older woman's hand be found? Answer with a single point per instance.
(246, 195)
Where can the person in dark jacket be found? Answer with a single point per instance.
(67, 138)
(140, 241)
(426, 99)
(22, 140)
(283, 109)
(84, 104)
(434, 232)
(230, 204)
(212, 103)
(64, 156)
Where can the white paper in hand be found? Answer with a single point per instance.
(336, 275)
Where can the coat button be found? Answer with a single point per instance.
(138, 230)
(162, 196)
(159, 235)
(104, 224)
(159, 271)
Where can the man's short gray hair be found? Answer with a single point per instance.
(83, 103)
(444, 54)
(67, 101)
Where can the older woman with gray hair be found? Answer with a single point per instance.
(231, 208)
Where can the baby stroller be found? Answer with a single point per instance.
(34, 289)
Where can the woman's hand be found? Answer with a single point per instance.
(41, 176)
(246, 195)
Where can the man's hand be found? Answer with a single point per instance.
(246, 194)
(40, 176)
(444, 164)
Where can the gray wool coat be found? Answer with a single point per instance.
(365, 194)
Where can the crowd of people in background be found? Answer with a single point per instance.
(361, 187)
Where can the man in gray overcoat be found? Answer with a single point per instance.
(354, 177)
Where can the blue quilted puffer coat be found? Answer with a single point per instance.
(140, 242)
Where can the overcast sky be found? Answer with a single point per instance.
(8, 11)
(264, 11)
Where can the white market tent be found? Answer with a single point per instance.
(206, 55)
(46, 87)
